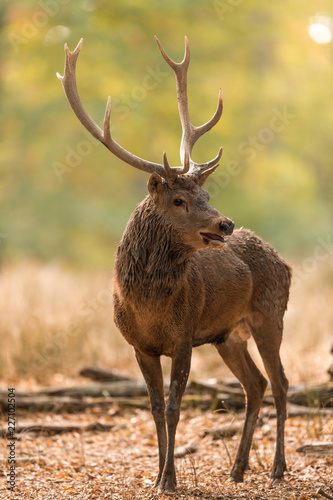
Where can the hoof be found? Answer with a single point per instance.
(277, 473)
(235, 479)
(166, 491)
(157, 482)
(167, 486)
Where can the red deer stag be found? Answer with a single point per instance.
(184, 278)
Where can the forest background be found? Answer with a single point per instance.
(65, 199)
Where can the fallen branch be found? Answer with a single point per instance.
(213, 387)
(330, 369)
(322, 449)
(56, 428)
(73, 405)
(316, 395)
(53, 404)
(297, 411)
(188, 449)
(330, 372)
(122, 388)
(224, 431)
(211, 395)
(321, 492)
(94, 373)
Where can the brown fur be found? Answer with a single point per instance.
(177, 284)
(173, 292)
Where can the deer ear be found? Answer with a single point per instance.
(154, 185)
(201, 178)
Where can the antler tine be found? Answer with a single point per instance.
(199, 131)
(203, 167)
(180, 70)
(190, 133)
(171, 173)
(104, 136)
(69, 84)
(173, 64)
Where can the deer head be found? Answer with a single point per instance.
(176, 190)
(185, 207)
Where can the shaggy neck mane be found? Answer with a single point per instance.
(150, 259)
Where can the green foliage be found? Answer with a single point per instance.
(65, 197)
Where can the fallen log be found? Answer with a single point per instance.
(224, 431)
(122, 388)
(319, 449)
(320, 396)
(296, 411)
(141, 403)
(212, 388)
(330, 369)
(330, 372)
(72, 405)
(95, 373)
(203, 402)
(211, 395)
(188, 449)
(56, 428)
(36, 403)
(227, 402)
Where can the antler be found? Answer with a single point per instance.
(104, 136)
(190, 133)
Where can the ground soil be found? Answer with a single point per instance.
(122, 463)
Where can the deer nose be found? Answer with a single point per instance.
(227, 226)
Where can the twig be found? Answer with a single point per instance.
(192, 462)
(321, 492)
(227, 450)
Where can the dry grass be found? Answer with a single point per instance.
(55, 320)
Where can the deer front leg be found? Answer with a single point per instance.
(152, 373)
(180, 369)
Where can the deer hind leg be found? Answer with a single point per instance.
(235, 354)
(268, 338)
(152, 372)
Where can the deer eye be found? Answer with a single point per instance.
(178, 202)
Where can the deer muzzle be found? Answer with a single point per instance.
(225, 227)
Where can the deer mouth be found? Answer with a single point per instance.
(207, 237)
